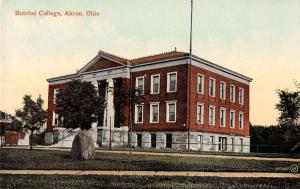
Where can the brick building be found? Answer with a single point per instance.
(198, 105)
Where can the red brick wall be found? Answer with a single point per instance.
(162, 97)
(181, 97)
(103, 64)
(207, 100)
(51, 104)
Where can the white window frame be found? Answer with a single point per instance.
(201, 105)
(168, 111)
(224, 92)
(241, 96)
(241, 122)
(54, 118)
(224, 117)
(168, 82)
(200, 91)
(232, 92)
(214, 115)
(136, 83)
(151, 112)
(233, 123)
(136, 113)
(152, 79)
(214, 87)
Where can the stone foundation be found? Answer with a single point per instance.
(118, 137)
(240, 144)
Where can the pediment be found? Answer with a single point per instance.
(101, 63)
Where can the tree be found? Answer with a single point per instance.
(32, 115)
(128, 97)
(79, 106)
(289, 107)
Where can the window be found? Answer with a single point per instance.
(171, 111)
(172, 82)
(155, 81)
(139, 140)
(212, 113)
(241, 96)
(242, 145)
(168, 140)
(139, 113)
(212, 86)
(222, 143)
(222, 117)
(200, 142)
(241, 120)
(232, 118)
(200, 84)
(154, 112)
(232, 93)
(55, 118)
(222, 90)
(153, 140)
(200, 113)
(212, 142)
(232, 144)
(139, 83)
(55, 92)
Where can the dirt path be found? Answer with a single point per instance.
(154, 173)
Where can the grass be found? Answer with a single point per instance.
(107, 181)
(46, 160)
(252, 154)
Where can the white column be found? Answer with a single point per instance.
(110, 104)
(95, 83)
(94, 130)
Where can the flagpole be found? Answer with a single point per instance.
(189, 76)
(191, 31)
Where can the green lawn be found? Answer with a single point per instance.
(42, 159)
(93, 181)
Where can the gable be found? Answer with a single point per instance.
(101, 64)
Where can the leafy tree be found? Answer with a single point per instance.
(289, 107)
(128, 97)
(3, 115)
(14, 125)
(79, 105)
(32, 115)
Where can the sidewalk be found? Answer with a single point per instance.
(154, 173)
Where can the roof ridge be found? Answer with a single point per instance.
(152, 55)
(110, 54)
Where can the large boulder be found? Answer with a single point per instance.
(83, 146)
